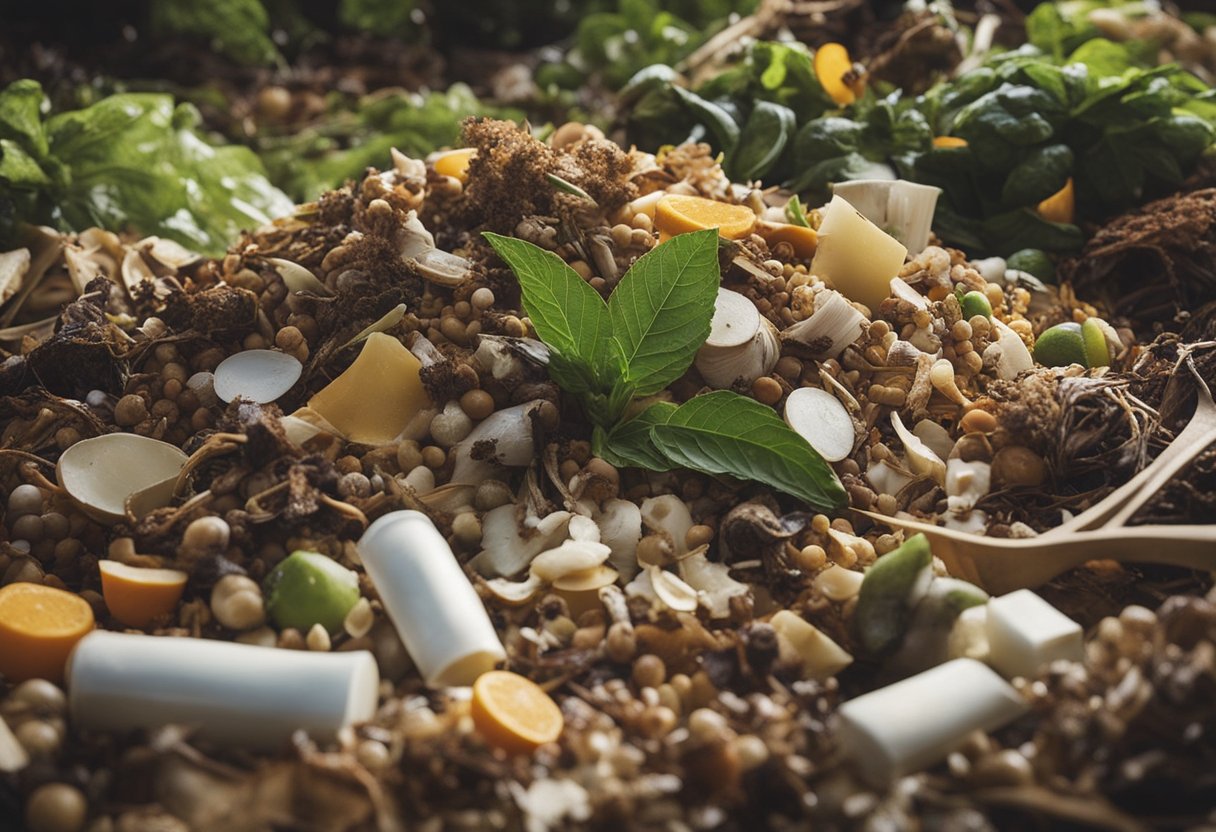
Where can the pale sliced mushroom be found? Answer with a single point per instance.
(819, 418)
(920, 456)
(668, 515)
(168, 253)
(834, 324)
(102, 473)
(620, 525)
(260, 376)
(442, 267)
(297, 278)
(586, 581)
(569, 557)
(712, 581)
(515, 593)
(671, 590)
(509, 542)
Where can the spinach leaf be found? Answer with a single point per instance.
(239, 29)
(725, 433)
(1039, 174)
(763, 140)
(720, 123)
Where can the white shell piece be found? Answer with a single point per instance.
(921, 458)
(440, 619)
(819, 418)
(672, 591)
(260, 376)
(297, 278)
(904, 727)
(102, 473)
(235, 694)
(1014, 358)
(1025, 634)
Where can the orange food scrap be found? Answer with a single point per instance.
(834, 69)
(136, 596)
(949, 142)
(455, 163)
(39, 626)
(803, 239)
(1060, 206)
(679, 214)
(513, 713)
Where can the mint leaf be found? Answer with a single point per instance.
(725, 433)
(568, 315)
(662, 307)
(629, 444)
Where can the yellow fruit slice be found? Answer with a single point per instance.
(137, 596)
(1060, 206)
(513, 713)
(834, 69)
(455, 163)
(39, 626)
(679, 214)
(949, 142)
(803, 239)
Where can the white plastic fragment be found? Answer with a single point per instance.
(236, 694)
(1025, 633)
(260, 376)
(430, 601)
(904, 727)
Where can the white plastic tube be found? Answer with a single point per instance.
(909, 725)
(236, 694)
(440, 619)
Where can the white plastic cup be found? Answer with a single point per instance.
(436, 611)
(235, 694)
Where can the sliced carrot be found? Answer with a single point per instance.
(949, 142)
(834, 69)
(513, 713)
(1060, 206)
(455, 163)
(678, 214)
(137, 596)
(39, 626)
(803, 239)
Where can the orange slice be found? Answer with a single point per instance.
(1060, 206)
(39, 626)
(455, 163)
(949, 142)
(834, 69)
(137, 596)
(679, 214)
(803, 239)
(513, 713)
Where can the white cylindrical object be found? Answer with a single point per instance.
(909, 725)
(232, 693)
(438, 615)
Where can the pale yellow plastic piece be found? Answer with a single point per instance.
(857, 256)
(377, 396)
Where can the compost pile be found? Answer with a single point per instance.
(658, 592)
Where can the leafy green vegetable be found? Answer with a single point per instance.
(239, 29)
(384, 17)
(661, 314)
(725, 433)
(641, 340)
(764, 138)
(128, 161)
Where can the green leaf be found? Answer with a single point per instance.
(661, 309)
(239, 29)
(381, 17)
(21, 105)
(762, 141)
(795, 214)
(18, 168)
(725, 129)
(568, 315)
(1042, 173)
(629, 444)
(725, 433)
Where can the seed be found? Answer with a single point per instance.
(354, 484)
(752, 751)
(38, 737)
(620, 644)
(1018, 465)
(130, 410)
(359, 620)
(208, 534)
(409, 455)
(477, 404)
(28, 527)
(318, 639)
(811, 558)
(236, 603)
(24, 499)
(978, 421)
(482, 298)
(433, 457)
(767, 390)
(373, 755)
(56, 807)
(622, 235)
(467, 528)
(698, 535)
(653, 549)
(649, 671)
(41, 696)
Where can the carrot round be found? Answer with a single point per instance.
(513, 713)
(136, 596)
(39, 626)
